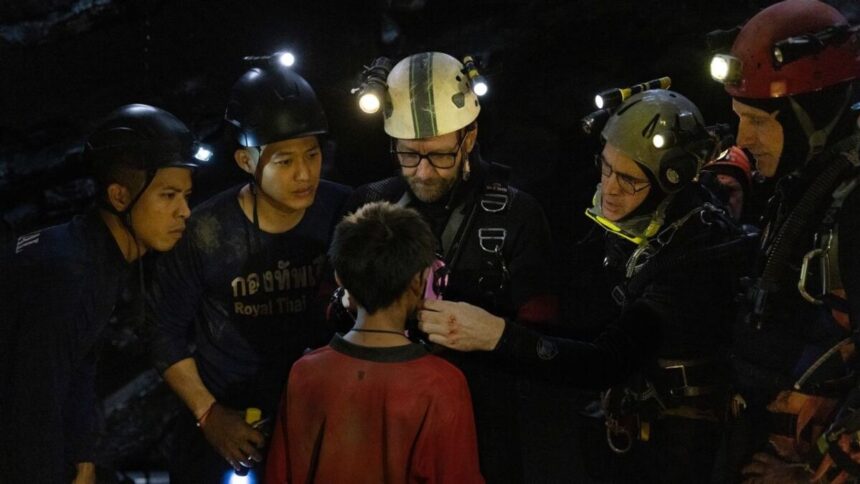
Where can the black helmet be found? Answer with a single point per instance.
(142, 137)
(271, 104)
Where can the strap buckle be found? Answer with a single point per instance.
(492, 239)
(679, 391)
(495, 198)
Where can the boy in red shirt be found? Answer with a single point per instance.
(372, 406)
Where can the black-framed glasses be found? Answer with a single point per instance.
(411, 159)
(629, 185)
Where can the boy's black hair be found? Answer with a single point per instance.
(377, 250)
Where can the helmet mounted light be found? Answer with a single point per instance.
(611, 98)
(794, 48)
(791, 47)
(479, 84)
(373, 86)
(203, 154)
(726, 69)
(608, 100)
(280, 59)
(663, 140)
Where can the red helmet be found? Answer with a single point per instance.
(733, 162)
(761, 78)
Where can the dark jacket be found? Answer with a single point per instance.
(774, 348)
(682, 309)
(59, 288)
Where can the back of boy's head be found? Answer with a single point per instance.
(378, 250)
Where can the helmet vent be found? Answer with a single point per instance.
(648, 130)
(459, 99)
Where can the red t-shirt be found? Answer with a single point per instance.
(360, 414)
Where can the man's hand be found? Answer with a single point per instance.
(235, 440)
(768, 469)
(460, 326)
(86, 473)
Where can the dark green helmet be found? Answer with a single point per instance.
(665, 133)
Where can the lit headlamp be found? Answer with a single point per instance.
(726, 69)
(373, 86)
(664, 140)
(283, 58)
(477, 81)
(202, 153)
(611, 98)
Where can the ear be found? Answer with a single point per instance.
(118, 196)
(416, 286)
(471, 137)
(337, 279)
(246, 160)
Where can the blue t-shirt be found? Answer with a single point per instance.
(243, 302)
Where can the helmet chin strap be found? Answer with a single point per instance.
(463, 176)
(818, 138)
(125, 214)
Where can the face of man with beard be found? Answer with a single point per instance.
(431, 165)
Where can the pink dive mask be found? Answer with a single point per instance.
(437, 280)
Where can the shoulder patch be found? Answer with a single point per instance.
(26, 241)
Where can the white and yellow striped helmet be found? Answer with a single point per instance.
(428, 95)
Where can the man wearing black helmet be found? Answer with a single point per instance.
(60, 285)
(240, 299)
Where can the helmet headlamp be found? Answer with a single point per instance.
(726, 69)
(373, 86)
(477, 81)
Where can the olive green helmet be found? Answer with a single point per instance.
(428, 95)
(665, 133)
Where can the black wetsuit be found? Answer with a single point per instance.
(677, 307)
(58, 290)
(245, 304)
(776, 345)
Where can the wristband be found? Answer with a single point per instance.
(202, 419)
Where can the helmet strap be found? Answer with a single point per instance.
(257, 189)
(818, 138)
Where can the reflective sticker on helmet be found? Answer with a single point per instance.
(421, 91)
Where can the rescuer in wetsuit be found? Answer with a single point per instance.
(674, 254)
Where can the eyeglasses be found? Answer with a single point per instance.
(411, 159)
(629, 185)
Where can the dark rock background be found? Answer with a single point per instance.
(66, 63)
